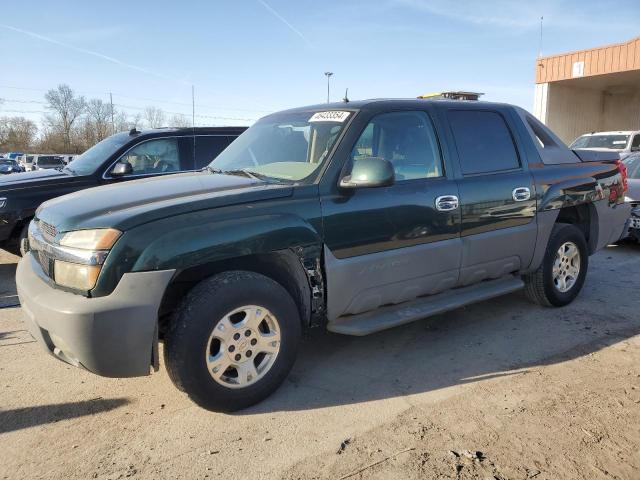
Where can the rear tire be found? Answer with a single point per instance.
(233, 341)
(560, 277)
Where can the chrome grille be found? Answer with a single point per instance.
(49, 231)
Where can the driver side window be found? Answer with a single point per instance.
(154, 157)
(407, 140)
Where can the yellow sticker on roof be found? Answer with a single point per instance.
(330, 116)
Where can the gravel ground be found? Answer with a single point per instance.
(503, 389)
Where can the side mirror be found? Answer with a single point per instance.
(369, 172)
(121, 169)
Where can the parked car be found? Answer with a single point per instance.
(632, 162)
(355, 216)
(9, 166)
(623, 142)
(45, 162)
(13, 155)
(123, 156)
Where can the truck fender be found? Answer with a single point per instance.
(195, 244)
(571, 192)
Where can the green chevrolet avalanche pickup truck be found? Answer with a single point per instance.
(355, 216)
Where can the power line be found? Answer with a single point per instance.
(145, 99)
(123, 106)
(211, 117)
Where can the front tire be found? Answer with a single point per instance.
(233, 341)
(560, 277)
(23, 240)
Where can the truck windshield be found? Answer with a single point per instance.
(614, 142)
(284, 147)
(89, 161)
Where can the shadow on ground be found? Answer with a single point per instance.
(8, 293)
(19, 418)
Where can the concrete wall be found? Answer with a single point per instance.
(622, 110)
(571, 111)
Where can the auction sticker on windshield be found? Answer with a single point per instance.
(330, 116)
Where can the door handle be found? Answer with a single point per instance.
(446, 203)
(521, 194)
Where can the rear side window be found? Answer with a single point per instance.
(483, 141)
(208, 147)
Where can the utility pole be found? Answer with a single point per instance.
(193, 107)
(328, 74)
(113, 123)
(540, 46)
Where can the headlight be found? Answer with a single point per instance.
(628, 199)
(99, 239)
(75, 275)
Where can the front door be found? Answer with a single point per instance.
(156, 156)
(387, 245)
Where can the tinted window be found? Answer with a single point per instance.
(208, 147)
(406, 139)
(157, 156)
(636, 142)
(49, 161)
(483, 141)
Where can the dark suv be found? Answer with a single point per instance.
(123, 156)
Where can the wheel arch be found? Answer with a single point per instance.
(585, 217)
(293, 268)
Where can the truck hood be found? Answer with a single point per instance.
(129, 204)
(33, 179)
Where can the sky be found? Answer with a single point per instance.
(247, 58)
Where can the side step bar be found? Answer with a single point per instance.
(395, 315)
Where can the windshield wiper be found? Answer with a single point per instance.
(70, 170)
(246, 173)
(242, 171)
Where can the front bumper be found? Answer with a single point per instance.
(112, 336)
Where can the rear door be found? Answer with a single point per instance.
(497, 194)
(208, 147)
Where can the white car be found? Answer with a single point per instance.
(623, 142)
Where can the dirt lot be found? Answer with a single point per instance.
(502, 389)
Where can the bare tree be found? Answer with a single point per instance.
(154, 117)
(98, 119)
(17, 133)
(179, 120)
(66, 107)
(124, 122)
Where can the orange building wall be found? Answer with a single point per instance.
(621, 57)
